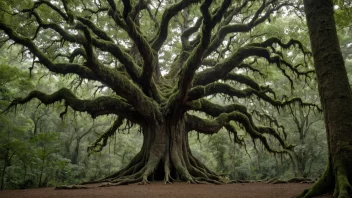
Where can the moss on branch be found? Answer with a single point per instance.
(131, 66)
(194, 60)
(149, 56)
(203, 125)
(188, 32)
(96, 30)
(217, 88)
(216, 110)
(225, 29)
(250, 68)
(259, 50)
(49, 4)
(100, 106)
(118, 82)
(122, 86)
(243, 79)
(274, 40)
(207, 126)
(223, 68)
(272, 121)
(116, 15)
(75, 53)
(170, 12)
(107, 44)
(127, 7)
(61, 68)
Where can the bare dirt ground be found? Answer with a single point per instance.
(157, 189)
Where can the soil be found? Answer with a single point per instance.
(175, 190)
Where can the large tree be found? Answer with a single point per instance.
(162, 60)
(336, 98)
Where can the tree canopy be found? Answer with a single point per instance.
(159, 65)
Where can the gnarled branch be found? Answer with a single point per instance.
(164, 24)
(207, 126)
(103, 105)
(215, 88)
(236, 59)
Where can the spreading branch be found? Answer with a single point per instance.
(207, 126)
(194, 60)
(221, 69)
(217, 88)
(116, 81)
(103, 105)
(170, 12)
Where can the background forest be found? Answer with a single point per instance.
(41, 147)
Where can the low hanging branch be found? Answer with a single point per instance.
(213, 126)
(217, 88)
(216, 110)
(102, 105)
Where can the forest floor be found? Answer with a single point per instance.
(157, 189)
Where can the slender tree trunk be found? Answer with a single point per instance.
(3, 174)
(25, 172)
(35, 130)
(336, 98)
(41, 169)
(74, 159)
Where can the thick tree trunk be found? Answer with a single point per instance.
(165, 155)
(336, 99)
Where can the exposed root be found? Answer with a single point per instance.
(322, 186)
(187, 168)
(71, 187)
(191, 182)
(210, 181)
(167, 182)
(279, 181)
(342, 186)
(167, 178)
(163, 161)
(331, 178)
(300, 180)
(239, 182)
(191, 174)
(122, 182)
(144, 182)
(271, 180)
(135, 164)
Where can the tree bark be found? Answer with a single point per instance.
(336, 98)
